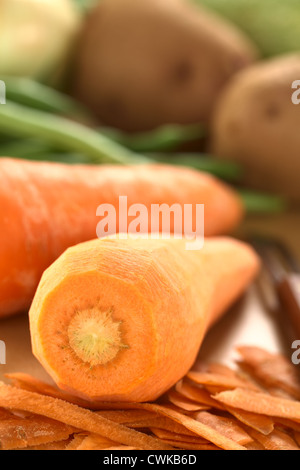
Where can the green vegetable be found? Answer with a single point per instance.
(34, 149)
(164, 138)
(59, 132)
(42, 97)
(24, 148)
(256, 202)
(61, 157)
(272, 24)
(226, 170)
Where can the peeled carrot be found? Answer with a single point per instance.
(123, 320)
(47, 207)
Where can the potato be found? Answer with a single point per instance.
(144, 63)
(257, 124)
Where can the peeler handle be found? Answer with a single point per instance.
(288, 290)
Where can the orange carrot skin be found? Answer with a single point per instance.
(163, 297)
(47, 207)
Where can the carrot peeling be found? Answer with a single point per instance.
(261, 403)
(75, 416)
(218, 380)
(198, 428)
(274, 371)
(237, 419)
(184, 403)
(276, 440)
(18, 433)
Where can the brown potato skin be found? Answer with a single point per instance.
(257, 124)
(142, 64)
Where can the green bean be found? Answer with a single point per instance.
(58, 157)
(33, 148)
(61, 133)
(257, 202)
(36, 95)
(164, 138)
(24, 148)
(4, 138)
(226, 170)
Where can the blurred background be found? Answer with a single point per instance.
(207, 84)
(201, 83)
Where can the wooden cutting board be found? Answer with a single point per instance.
(246, 323)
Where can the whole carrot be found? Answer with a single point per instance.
(47, 207)
(123, 320)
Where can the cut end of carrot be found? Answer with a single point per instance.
(95, 337)
(108, 314)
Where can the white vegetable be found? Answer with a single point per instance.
(36, 36)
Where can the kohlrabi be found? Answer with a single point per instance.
(37, 37)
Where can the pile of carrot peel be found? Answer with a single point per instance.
(253, 405)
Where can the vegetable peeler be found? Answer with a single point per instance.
(279, 282)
